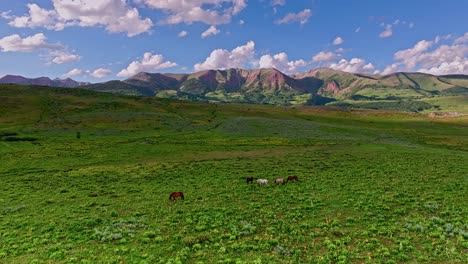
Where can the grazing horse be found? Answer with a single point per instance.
(249, 179)
(279, 181)
(174, 195)
(292, 178)
(262, 181)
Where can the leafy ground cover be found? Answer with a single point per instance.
(374, 186)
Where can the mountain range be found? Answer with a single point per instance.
(321, 86)
(44, 81)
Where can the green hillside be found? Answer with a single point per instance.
(86, 177)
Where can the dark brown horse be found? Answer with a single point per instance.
(292, 178)
(174, 195)
(249, 179)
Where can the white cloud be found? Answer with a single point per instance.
(56, 52)
(357, 30)
(281, 62)
(211, 31)
(411, 25)
(410, 57)
(338, 41)
(395, 67)
(14, 43)
(223, 59)
(182, 34)
(442, 59)
(340, 50)
(148, 63)
(387, 32)
(212, 12)
(456, 66)
(301, 17)
(355, 65)
(278, 2)
(461, 40)
(114, 15)
(6, 15)
(72, 73)
(241, 22)
(325, 56)
(98, 73)
(60, 57)
(39, 17)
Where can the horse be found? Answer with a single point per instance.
(279, 181)
(174, 195)
(262, 181)
(292, 178)
(249, 179)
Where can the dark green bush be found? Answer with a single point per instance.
(19, 139)
(7, 134)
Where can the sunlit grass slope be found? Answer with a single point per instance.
(374, 186)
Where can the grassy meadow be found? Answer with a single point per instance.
(86, 176)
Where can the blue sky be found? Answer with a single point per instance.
(99, 40)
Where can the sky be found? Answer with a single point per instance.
(100, 40)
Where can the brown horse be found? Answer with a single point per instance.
(292, 178)
(174, 195)
(279, 181)
(249, 179)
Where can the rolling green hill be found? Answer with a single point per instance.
(86, 176)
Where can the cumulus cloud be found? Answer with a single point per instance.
(325, 56)
(426, 56)
(281, 62)
(56, 53)
(301, 17)
(461, 40)
(445, 59)
(212, 12)
(182, 34)
(72, 73)
(114, 15)
(457, 66)
(15, 43)
(395, 67)
(355, 65)
(150, 62)
(338, 41)
(211, 31)
(39, 17)
(60, 57)
(223, 59)
(387, 32)
(98, 73)
(410, 57)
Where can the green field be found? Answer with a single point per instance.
(374, 186)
